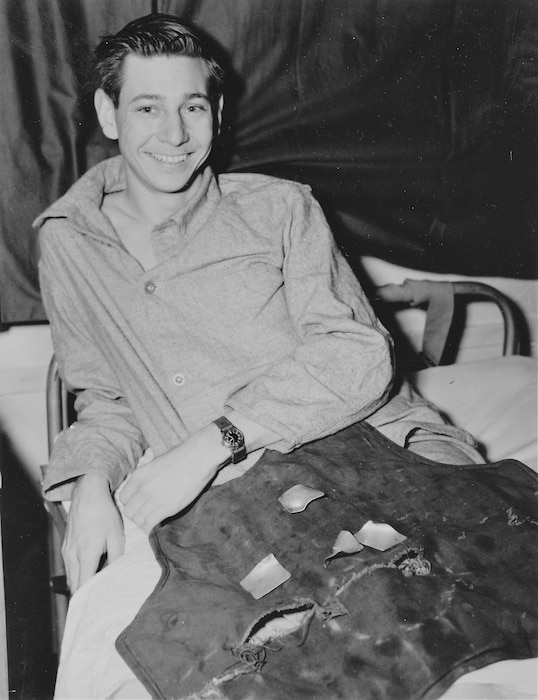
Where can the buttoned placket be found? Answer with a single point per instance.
(166, 240)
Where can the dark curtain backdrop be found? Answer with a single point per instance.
(415, 122)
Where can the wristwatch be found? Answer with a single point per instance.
(232, 438)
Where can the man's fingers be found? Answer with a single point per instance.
(132, 503)
(143, 506)
(126, 492)
(89, 563)
(144, 520)
(71, 563)
(147, 516)
(94, 529)
(115, 547)
(72, 573)
(81, 565)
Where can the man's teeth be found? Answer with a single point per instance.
(169, 159)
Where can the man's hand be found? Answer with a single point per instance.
(94, 528)
(172, 481)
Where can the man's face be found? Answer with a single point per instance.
(163, 123)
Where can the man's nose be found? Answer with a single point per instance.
(173, 130)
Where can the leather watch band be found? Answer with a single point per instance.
(232, 438)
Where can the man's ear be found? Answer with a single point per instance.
(106, 113)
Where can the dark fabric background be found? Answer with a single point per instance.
(415, 122)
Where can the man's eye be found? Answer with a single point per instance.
(147, 109)
(196, 108)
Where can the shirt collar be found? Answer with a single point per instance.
(82, 202)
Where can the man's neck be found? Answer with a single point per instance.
(134, 212)
(151, 208)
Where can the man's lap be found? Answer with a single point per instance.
(90, 666)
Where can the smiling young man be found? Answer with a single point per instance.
(164, 134)
(198, 319)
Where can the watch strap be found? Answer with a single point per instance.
(232, 438)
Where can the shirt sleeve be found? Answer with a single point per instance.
(105, 438)
(342, 368)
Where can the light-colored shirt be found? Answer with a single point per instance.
(250, 306)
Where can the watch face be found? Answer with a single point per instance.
(233, 438)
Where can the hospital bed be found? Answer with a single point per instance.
(495, 399)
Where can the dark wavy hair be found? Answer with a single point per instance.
(152, 35)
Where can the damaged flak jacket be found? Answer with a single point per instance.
(456, 595)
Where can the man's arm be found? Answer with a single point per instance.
(340, 373)
(171, 482)
(105, 438)
(341, 370)
(88, 461)
(92, 457)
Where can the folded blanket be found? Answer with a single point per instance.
(456, 595)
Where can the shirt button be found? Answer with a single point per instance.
(178, 379)
(150, 287)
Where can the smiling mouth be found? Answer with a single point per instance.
(169, 160)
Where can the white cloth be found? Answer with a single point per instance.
(90, 667)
